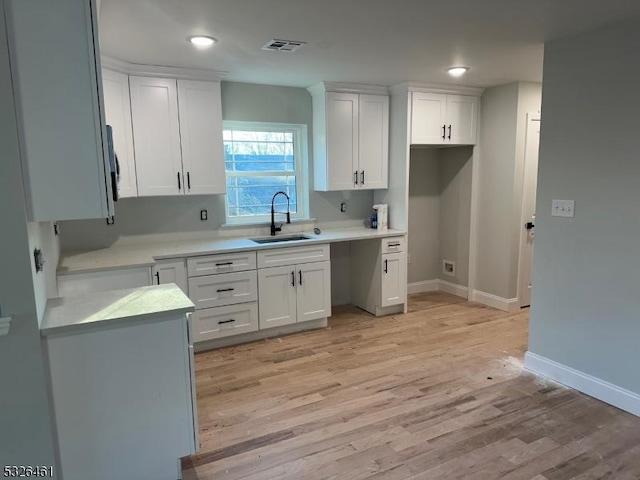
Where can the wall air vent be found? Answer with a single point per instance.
(283, 45)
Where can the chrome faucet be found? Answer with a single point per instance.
(275, 229)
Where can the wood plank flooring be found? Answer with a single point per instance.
(438, 393)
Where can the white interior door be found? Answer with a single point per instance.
(342, 140)
(156, 136)
(201, 137)
(314, 291)
(277, 299)
(373, 124)
(532, 143)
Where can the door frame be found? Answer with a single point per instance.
(531, 118)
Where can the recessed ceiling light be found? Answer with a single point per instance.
(457, 71)
(202, 40)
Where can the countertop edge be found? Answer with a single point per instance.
(335, 236)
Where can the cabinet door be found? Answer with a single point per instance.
(55, 58)
(314, 291)
(461, 119)
(171, 271)
(201, 137)
(373, 141)
(156, 134)
(277, 299)
(342, 140)
(428, 118)
(221, 322)
(117, 108)
(394, 279)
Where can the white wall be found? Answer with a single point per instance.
(25, 423)
(41, 236)
(454, 226)
(147, 215)
(584, 311)
(424, 215)
(501, 149)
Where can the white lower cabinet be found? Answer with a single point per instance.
(225, 289)
(294, 293)
(379, 275)
(225, 321)
(277, 296)
(171, 271)
(394, 279)
(102, 281)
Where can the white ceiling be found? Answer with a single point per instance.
(381, 42)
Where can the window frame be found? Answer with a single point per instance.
(301, 170)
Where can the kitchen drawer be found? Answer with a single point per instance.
(225, 289)
(293, 255)
(225, 321)
(393, 245)
(222, 263)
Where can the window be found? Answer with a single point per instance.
(260, 160)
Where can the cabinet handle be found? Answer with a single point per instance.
(444, 132)
(179, 184)
(158, 277)
(449, 132)
(355, 177)
(393, 245)
(231, 320)
(300, 276)
(222, 264)
(225, 290)
(386, 269)
(293, 279)
(189, 178)
(362, 177)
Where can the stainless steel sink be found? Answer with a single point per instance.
(292, 238)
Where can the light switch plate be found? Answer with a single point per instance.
(563, 208)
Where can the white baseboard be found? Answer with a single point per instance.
(423, 286)
(583, 382)
(453, 288)
(437, 285)
(504, 304)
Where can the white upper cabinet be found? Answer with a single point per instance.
(55, 65)
(156, 133)
(428, 118)
(439, 118)
(373, 130)
(117, 108)
(351, 138)
(177, 131)
(341, 161)
(201, 136)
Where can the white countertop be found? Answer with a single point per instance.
(145, 255)
(102, 309)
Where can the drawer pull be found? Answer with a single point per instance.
(225, 290)
(231, 320)
(393, 244)
(223, 264)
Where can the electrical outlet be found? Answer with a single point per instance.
(562, 208)
(204, 215)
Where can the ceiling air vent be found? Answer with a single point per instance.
(283, 45)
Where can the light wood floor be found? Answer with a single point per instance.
(438, 393)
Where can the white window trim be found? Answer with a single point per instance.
(301, 154)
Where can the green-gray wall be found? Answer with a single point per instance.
(584, 311)
(148, 215)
